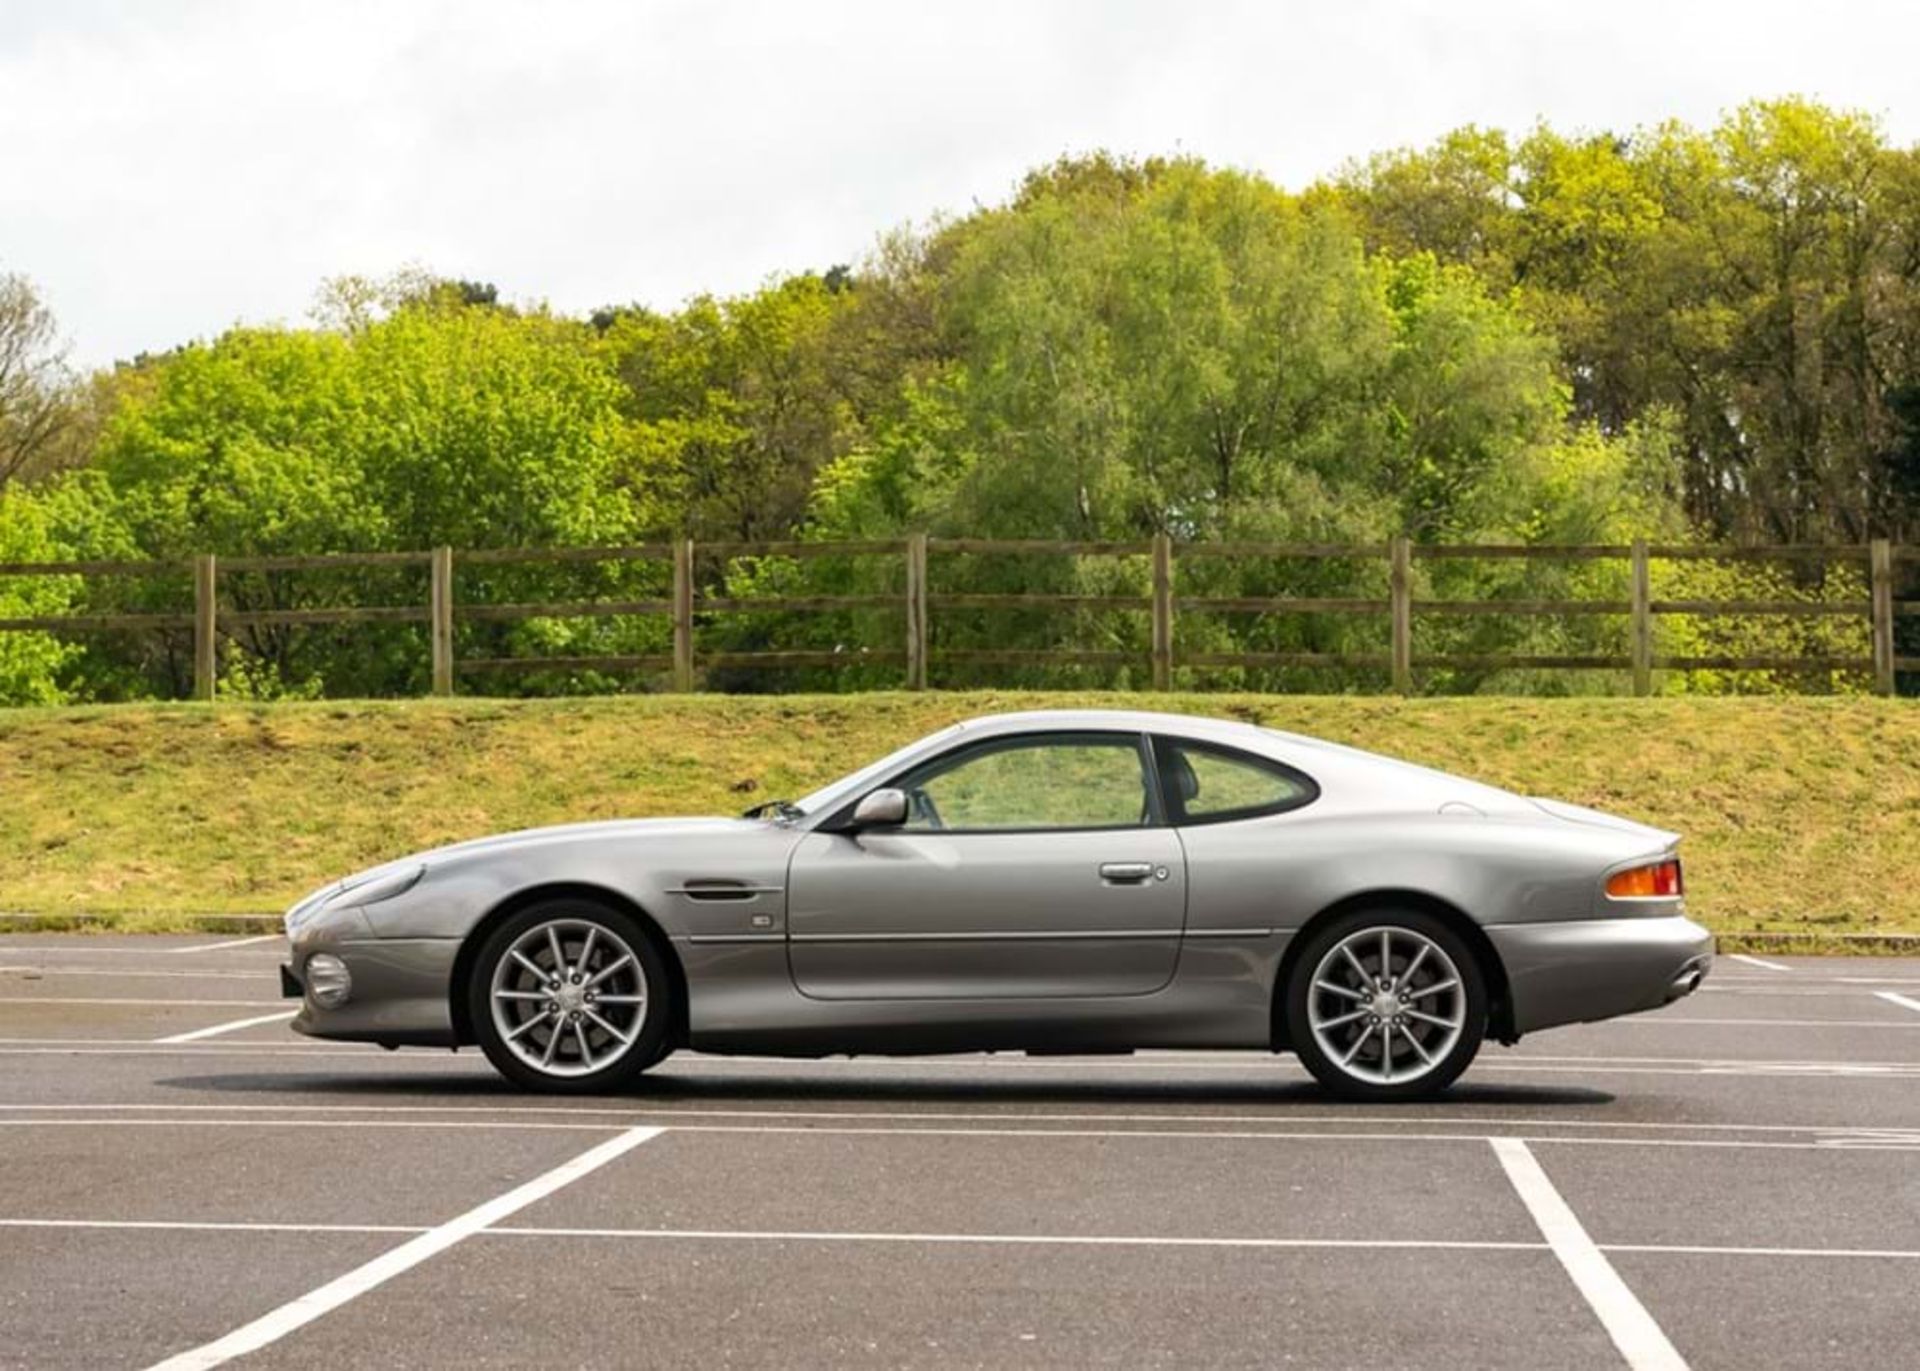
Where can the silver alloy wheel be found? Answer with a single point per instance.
(1387, 1005)
(569, 997)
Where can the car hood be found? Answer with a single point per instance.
(597, 831)
(602, 830)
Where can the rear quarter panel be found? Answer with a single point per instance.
(1279, 872)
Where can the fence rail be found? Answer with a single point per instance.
(917, 602)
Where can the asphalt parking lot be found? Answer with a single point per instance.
(1733, 1182)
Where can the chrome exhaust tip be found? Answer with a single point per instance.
(1685, 983)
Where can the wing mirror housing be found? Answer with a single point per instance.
(881, 809)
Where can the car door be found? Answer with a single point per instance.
(1032, 865)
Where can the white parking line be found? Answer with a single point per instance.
(197, 1034)
(1903, 1001)
(183, 1050)
(271, 1327)
(1692, 1250)
(125, 973)
(1626, 1320)
(985, 1239)
(209, 1226)
(1866, 1140)
(122, 999)
(95, 950)
(1756, 961)
(222, 946)
(365, 1052)
(1400, 1118)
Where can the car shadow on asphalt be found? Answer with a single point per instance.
(665, 1087)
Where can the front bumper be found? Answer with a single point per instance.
(400, 991)
(1579, 970)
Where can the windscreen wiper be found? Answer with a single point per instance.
(784, 810)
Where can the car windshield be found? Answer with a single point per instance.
(836, 793)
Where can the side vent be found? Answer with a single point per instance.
(721, 890)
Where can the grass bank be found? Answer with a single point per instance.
(1801, 815)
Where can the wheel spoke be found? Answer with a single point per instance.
(580, 1036)
(1342, 1019)
(1353, 1049)
(1418, 1046)
(1386, 1051)
(521, 995)
(586, 948)
(539, 974)
(1328, 986)
(1406, 977)
(553, 1041)
(625, 1039)
(1450, 983)
(1386, 957)
(608, 970)
(537, 1018)
(559, 953)
(1448, 1024)
(1358, 969)
(619, 999)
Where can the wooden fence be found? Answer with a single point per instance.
(917, 604)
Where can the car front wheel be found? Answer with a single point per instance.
(1386, 1005)
(570, 996)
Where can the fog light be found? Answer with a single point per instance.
(329, 983)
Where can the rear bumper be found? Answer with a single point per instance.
(1580, 970)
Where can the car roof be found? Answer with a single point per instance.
(1126, 720)
(1315, 755)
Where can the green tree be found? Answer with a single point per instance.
(734, 407)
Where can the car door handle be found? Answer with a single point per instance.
(1125, 873)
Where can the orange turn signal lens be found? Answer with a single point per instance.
(1661, 880)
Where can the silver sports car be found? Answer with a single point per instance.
(1057, 882)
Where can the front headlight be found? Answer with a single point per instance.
(378, 889)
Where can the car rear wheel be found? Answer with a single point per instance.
(571, 997)
(1386, 1004)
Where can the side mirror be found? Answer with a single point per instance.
(881, 809)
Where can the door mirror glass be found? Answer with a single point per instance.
(881, 809)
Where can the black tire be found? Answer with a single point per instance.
(1429, 1058)
(593, 1023)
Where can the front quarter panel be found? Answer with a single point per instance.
(676, 876)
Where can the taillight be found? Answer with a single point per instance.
(1660, 880)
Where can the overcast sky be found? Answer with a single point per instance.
(168, 169)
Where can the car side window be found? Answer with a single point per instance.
(1049, 781)
(1205, 783)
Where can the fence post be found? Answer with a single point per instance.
(1880, 573)
(683, 615)
(1642, 620)
(440, 619)
(1162, 612)
(1400, 561)
(205, 661)
(917, 611)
